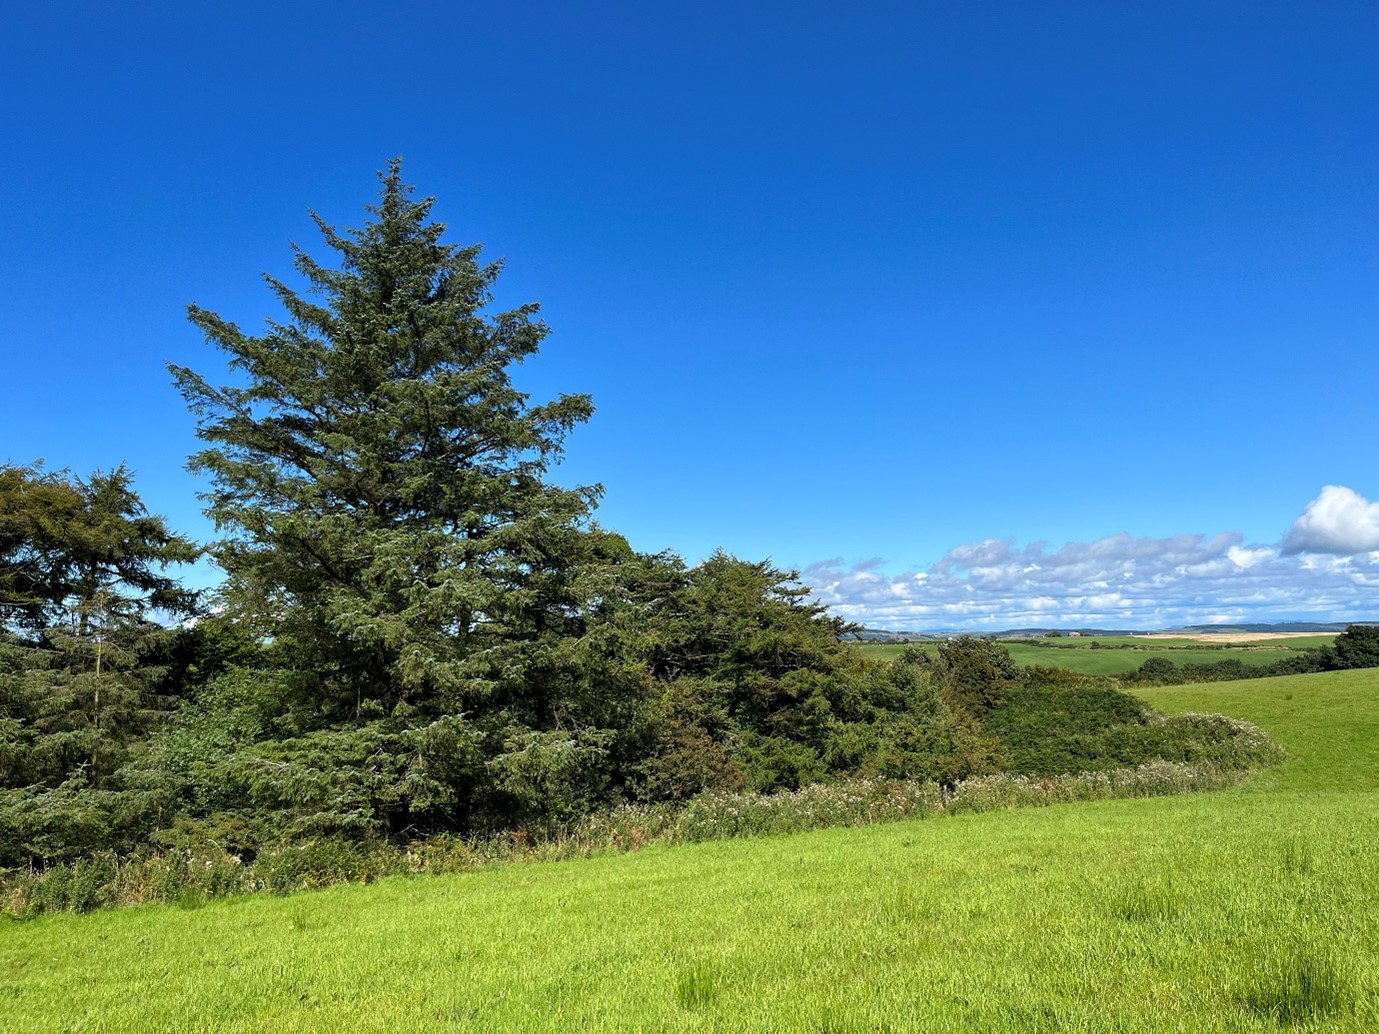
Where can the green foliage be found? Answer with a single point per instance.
(1119, 656)
(730, 621)
(1219, 671)
(778, 763)
(1049, 730)
(42, 825)
(37, 510)
(689, 748)
(1306, 663)
(389, 527)
(83, 662)
(717, 677)
(1157, 669)
(974, 672)
(758, 690)
(381, 481)
(79, 558)
(1357, 647)
(552, 776)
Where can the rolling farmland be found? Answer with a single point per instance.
(1118, 655)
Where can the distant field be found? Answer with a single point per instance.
(1248, 911)
(1117, 655)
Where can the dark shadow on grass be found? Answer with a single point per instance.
(1298, 985)
(696, 987)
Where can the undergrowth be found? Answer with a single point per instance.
(188, 877)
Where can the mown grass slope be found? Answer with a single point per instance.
(1253, 910)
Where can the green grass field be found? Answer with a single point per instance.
(1252, 910)
(1117, 655)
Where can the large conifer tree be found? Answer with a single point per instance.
(380, 481)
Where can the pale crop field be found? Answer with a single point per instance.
(1251, 910)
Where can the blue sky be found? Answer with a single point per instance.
(914, 297)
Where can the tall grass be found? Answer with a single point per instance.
(186, 877)
(1297, 982)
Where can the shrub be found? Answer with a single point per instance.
(184, 877)
(1053, 730)
(1228, 670)
(774, 762)
(1357, 647)
(1308, 662)
(1089, 727)
(974, 673)
(1157, 669)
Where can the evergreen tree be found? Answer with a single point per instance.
(1357, 647)
(84, 553)
(380, 480)
(39, 513)
(83, 584)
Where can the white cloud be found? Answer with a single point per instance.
(1247, 558)
(1338, 521)
(1118, 581)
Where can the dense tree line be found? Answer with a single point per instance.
(418, 631)
(649, 681)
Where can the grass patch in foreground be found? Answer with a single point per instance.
(1249, 910)
(1174, 913)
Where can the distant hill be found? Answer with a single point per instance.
(882, 635)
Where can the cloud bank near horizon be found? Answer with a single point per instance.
(1326, 568)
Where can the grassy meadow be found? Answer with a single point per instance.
(1255, 909)
(1118, 655)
